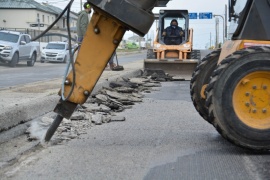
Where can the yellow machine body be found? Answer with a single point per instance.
(231, 46)
(176, 60)
(102, 38)
(177, 52)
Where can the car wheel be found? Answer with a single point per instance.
(33, 60)
(151, 54)
(65, 59)
(14, 60)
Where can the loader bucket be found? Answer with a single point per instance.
(180, 68)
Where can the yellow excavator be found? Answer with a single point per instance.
(230, 87)
(172, 49)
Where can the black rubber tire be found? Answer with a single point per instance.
(220, 93)
(14, 60)
(65, 59)
(50, 132)
(195, 54)
(200, 77)
(151, 54)
(33, 60)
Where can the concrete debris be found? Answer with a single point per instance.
(77, 116)
(152, 85)
(125, 103)
(102, 107)
(178, 78)
(102, 98)
(124, 90)
(160, 79)
(139, 81)
(157, 74)
(96, 108)
(123, 97)
(151, 72)
(147, 91)
(116, 95)
(88, 116)
(123, 84)
(97, 119)
(137, 95)
(106, 118)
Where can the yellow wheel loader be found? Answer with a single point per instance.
(230, 88)
(172, 49)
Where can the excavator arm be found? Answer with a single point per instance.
(110, 21)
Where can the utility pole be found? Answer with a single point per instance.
(38, 20)
(217, 32)
(226, 16)
(215, 15)
(81, 4)
(210, 40)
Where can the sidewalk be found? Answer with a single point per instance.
(24, 103)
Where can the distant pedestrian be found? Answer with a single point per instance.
(111, 63)
(82, 22)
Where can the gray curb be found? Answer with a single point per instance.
(28, 111)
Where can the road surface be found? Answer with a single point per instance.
(162, 138)
(23, 74)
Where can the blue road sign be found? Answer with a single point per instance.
(193, 15)
(205, 15)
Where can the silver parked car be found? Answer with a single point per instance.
(55, 52)
(16, 47)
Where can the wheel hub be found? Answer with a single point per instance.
(251, 100)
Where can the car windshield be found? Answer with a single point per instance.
(55, 46)
(9, 37)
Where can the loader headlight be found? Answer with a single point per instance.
(8, 48)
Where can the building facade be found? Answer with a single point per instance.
(32, 16)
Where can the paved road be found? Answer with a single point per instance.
(162, 138)
(23, 74)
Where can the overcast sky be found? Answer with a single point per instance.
(202, 27)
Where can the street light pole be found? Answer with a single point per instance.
(215, 15)
(226, 16)
(81, 4)
(217, 33)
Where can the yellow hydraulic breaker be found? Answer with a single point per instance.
(108, 24)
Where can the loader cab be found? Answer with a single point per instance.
(165, 19)
(249, 19)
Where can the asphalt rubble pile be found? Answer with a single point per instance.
(100, 108)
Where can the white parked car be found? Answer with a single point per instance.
(55, 52)
(16, 47)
